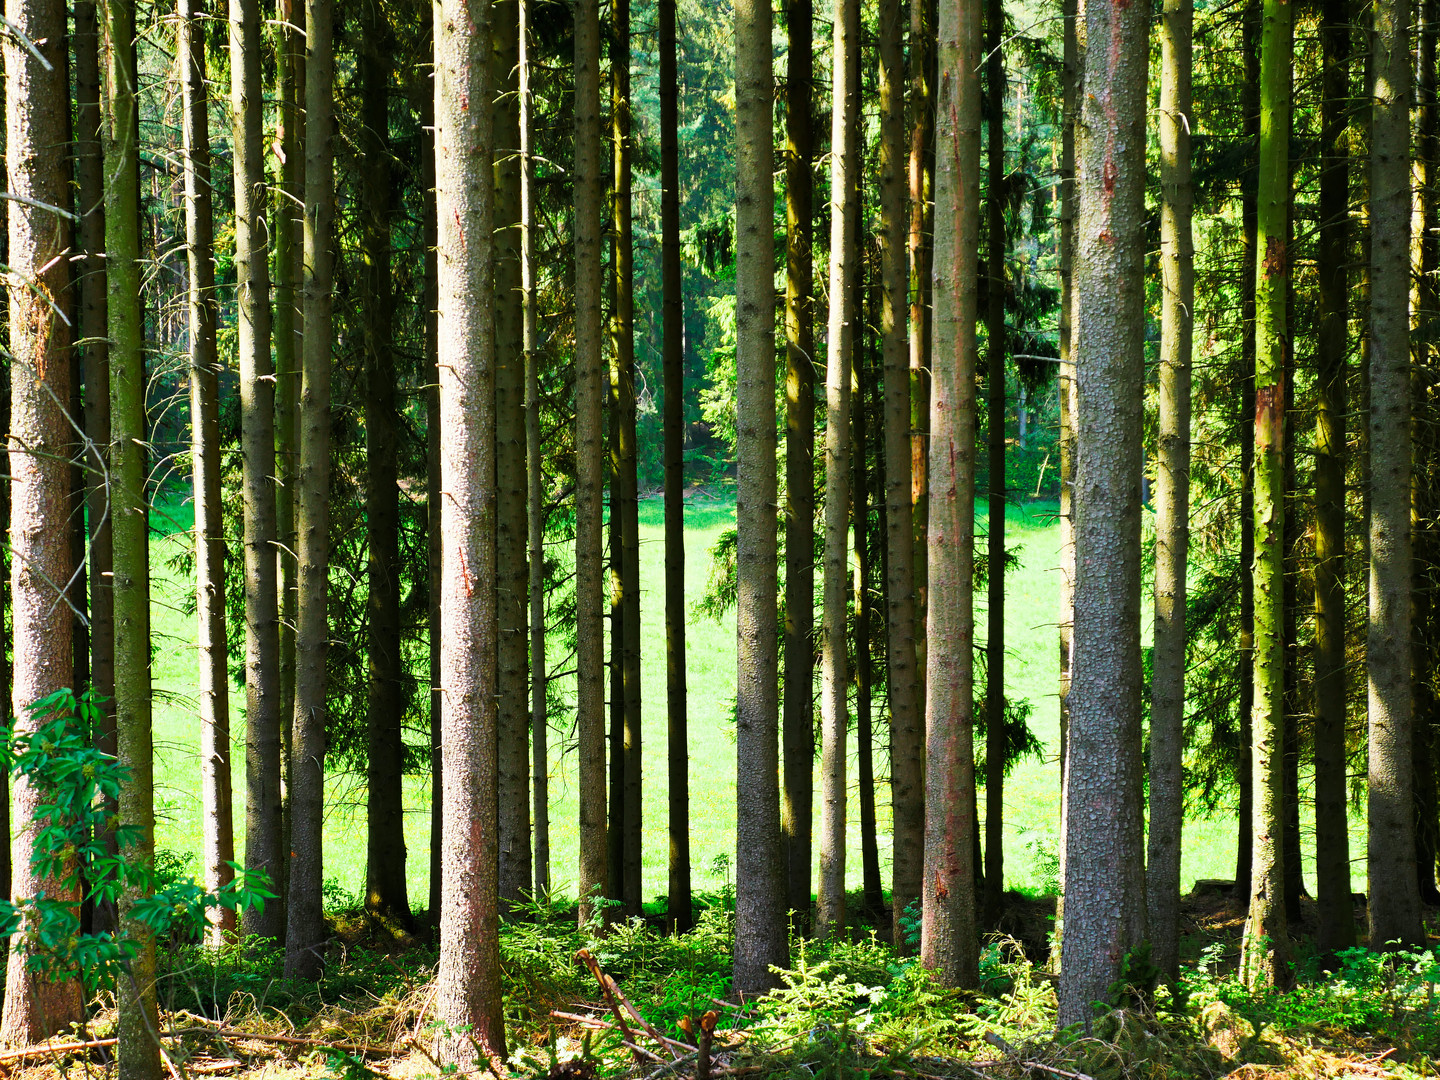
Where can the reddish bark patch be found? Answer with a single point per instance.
(1270, 413)
(1275, 256)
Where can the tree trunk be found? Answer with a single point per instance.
(467, 1000)
(864, 732)
(1104, 857)
(948, 943)
(680, 913)
(1172, 493)
(305, 920)
(511, 467)
(1265, 951)
(760, 938)
(90, 238)
(433, 538)
(385, 893)
(798, 800)
(264, 845)
(213, 685)
(1395, 916)
(589, 464)
(41, 443)
(288, 327)
(907, 777)
(139, 1050)
(834, 684)
(995, 402)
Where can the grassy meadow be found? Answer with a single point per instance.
(1032, 800)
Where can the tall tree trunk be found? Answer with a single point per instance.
(139, 1049)
(264, 844)
(305, 921)
(1394, 907)
(623, 350)
(948, 943)
(798, 799)
(288, 326)
(1265, 951)
(434, 540)
(615, 834)
(511, 468)
(1104, 877)
(213, 686)
(1250, 108)
(467, 1001)
(1332, 837)
(834, 685)
(1172, 492)
(995, 403)
(864, 731)
(760, 939)
(90, 237)
(907, 777)
(385, 894)
(1294, 885)
(1072, 76)
(534, 457)
(589, 465)
(41, 442)
(680, 913)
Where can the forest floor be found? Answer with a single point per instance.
(848, 1010)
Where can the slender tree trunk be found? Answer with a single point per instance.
(139, 1050)
(623, 343)
(834, 684)
(680, 914)
(264, 843)
(1172, 494)
(921, 177)
(864, 731)
(41, 441)
(1104, 877)
(1395, 917)
(511, 467)
(467, 1000)
(615, 834)
(1294, 885)
(288, 326)
(305, 921)
(434, 539)
(589, 383)
(534, 456)
(907, 776)
(760, 939)
(798, 799)
(1250, 107)
(385, 893)
(948, 943)
(213, 686)
(90, 237)
(995, 402)
(1072, 77)
(1265, 952)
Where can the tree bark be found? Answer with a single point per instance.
(680, 912)
(264, 844)
(511, 467)
(1395, 916)
(385, 893)
(995, 403)
(798, 799)
(760, 938)
(434, 541)
(467, 1001)
(907, 776)
(860, 513)
(948, 943)
(40, 446)
(213, 685)
(589, 388)
(834, 684)
(305, 920)
(1172, 492)
(139, 1050)
(1265, 951)
(1104, 877)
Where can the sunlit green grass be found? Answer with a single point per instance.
(1032, 796)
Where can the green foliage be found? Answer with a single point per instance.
(77, 784)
